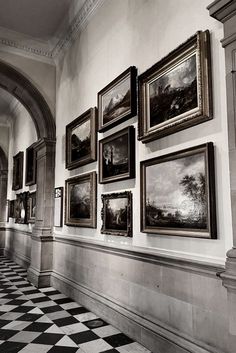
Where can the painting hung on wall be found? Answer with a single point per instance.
(21, 208)
(175, 93)
(31, 207)
(117, 101)
(81, 200)
(30, 168)
(58, 206)
(18, 161)
(11, 209)
(117, 214)
(117, 156)
(178, 193)
(81, 140)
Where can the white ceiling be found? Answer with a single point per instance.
(35, 18)
(33, 24)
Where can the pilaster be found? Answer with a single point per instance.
(225, 12)
(40, 268)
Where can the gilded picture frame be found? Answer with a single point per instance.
(81, 140)
(178, 193)
(176, 92)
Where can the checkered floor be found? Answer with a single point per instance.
(45, 321)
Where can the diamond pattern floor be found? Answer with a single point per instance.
(45, 321)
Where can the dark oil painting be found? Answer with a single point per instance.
(115, 157)
(116, 214)
(79, 200)
(174, 93)
(116, 102)
(176, 195)
(80, 141)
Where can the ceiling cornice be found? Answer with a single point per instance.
(45, 51)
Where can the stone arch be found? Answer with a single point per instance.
(3, 184)
(21, 88)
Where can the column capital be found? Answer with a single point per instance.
(222, 10)
(44, 142)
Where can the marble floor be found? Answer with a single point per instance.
(45, 321)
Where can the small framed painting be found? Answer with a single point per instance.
(31, 207)
(178, 193)
(118, 100)
(117, 214)
(176, 93)
(18, 162)
(11, 209)
(21, 208)
(81, 201)
(81, 140)
(30, 168)
(58, 206)
(117, 156)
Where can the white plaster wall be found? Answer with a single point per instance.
(22, 135)
(140, 32)
(4, 138)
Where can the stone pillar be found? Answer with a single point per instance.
(3, 196)
(40, 268)
(225, 12)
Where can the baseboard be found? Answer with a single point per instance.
(157, 337)
(19, 258)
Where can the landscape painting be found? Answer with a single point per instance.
(176, 197)
(117, 101)
(117, 156)
(174, 93)
(81, 201)
(81, 140)
(117, 214)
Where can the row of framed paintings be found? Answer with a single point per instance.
(23, 208)
(18, 167)
(174, 94)
(177, 197)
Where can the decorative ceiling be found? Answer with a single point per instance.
(42, 28)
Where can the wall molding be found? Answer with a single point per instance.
(123, 318)
(19, 231)
(19, 258)
(149, 256)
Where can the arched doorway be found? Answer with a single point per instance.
(42, 247)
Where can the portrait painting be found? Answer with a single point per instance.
(117, 214)
(177, 192)
(21, 208)
(81, 140)
(117, 156)
(18, 163)
(176, 93)
(81, 201)
(117, 101)
(31, 207)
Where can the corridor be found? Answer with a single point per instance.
(45, 321)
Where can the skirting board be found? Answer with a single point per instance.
(156, 337)
(20, 259)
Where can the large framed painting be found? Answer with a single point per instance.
(176, 93)
(117, 214)
(118, 100)
(21, 208)
(178, 193)
(81, 201)
(31, 207)
(18, 162)
(30, 167)
(81, 140)
(117, 156)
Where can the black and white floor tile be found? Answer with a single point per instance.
(45, 321)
